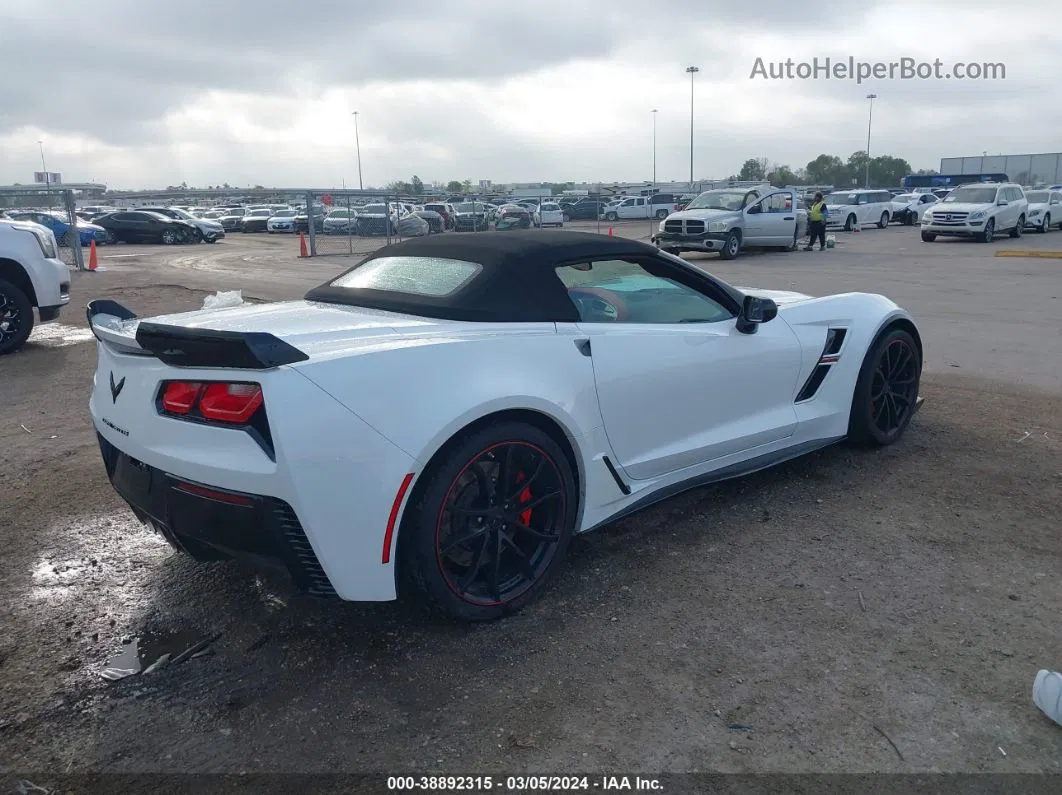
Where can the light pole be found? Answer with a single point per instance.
(691, 70)
(357, 145)
(870, 120)
(654, 147)
(47, 182)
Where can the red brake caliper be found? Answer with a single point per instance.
(525, 496)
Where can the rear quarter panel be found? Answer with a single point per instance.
(419, 392)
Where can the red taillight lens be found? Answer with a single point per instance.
(234, 403)
(179, 396)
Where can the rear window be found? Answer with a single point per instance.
(427, 276)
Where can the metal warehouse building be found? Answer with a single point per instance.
(1042, 169)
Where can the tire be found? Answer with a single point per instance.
(566, 218)
(64, 239)
(169, 237)
(989, 232)
(661, 214)
(1046, 225)
(731, 246)
(892, 369)
(1019, 228)
(16, 317)
(883, 221)
(199, 236)
(928, 237)
(849, 223)
(210, 240)
(611, 217)
(428, 527)
(795, 242)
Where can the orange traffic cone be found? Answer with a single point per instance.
(92, 256)
(610, 231)
(302, 245)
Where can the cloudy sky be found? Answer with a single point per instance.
(142, 94)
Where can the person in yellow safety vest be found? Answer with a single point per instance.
(818, 214)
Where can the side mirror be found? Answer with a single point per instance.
(756, 208)
(754, 311)
(1002, 203)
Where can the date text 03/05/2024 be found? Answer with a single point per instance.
(522, 783)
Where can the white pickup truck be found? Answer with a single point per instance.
(729, 220)
(659, 206)
(31, 275)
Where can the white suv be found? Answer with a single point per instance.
(31, 275)
(980, 209)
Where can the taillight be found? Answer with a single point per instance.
(178, 397)
(234, 403)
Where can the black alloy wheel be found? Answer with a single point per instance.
(493, 522)
(886, 393)
(16, 317)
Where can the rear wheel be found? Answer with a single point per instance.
(611, 217)
(661, 214)
(492, 524)
(169, 237)
(886, 390)
(1019, 228)
(883, 221)
(16, 317)
(849, 223)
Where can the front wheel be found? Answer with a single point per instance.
(731, 246)
(989, 231)
(886, 392)
(169, 237)
(928, 237)
(611, 217)
(1046, 225)
(883, 221)
(491, 524)
(849, 223)
(16, 317)
(1019, 228)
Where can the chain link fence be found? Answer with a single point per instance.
(54, 208)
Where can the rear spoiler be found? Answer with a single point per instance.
(189, 347)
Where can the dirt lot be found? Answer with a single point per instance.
(834, 606)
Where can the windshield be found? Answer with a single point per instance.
(466, 207)
(972, 196)
(839, 199)
(231, 213)
(260, 213)
(339, 214)
(550, 207)
(905, 197)
(1037, 196)
(718, 200)
(374, 209)
(284, 214)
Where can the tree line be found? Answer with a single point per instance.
(885, 171)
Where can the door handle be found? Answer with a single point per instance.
(789, 218)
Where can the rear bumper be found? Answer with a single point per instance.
(216, 524)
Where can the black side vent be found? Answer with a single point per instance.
(834, 341)
(305, 568)
(813, 383)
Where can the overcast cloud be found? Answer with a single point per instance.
(140, 94)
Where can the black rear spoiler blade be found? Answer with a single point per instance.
(181, 346)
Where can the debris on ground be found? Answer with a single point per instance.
(152, 650)
(223, 299)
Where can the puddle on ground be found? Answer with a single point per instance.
(152, 650)
(58, 335)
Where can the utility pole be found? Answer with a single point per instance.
(691, 70)
(357, 145)
(870, 121)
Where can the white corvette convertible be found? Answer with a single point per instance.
(446, 414)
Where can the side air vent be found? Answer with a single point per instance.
(813, 383)
(834, 341)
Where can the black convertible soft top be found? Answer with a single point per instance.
(517, 282)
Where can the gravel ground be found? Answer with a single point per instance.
(854, 611)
